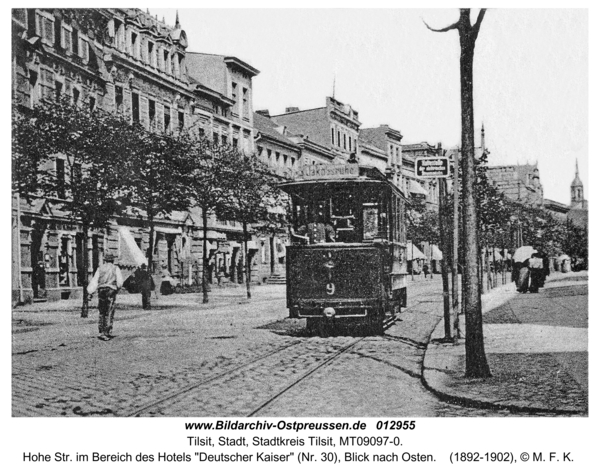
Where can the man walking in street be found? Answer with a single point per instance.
(143, 280)
(107, 280)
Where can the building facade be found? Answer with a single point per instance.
(382, 147)
(333, 128)
(418, 188)
(126, 62)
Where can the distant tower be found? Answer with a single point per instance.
(177, 25)
(577, 189)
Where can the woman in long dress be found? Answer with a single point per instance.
(523, 278)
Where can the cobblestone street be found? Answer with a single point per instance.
(230, 358)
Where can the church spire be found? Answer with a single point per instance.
(577, 188)
(482, 138)
(177, 25)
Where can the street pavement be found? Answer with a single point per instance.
(536, 347)
(234, 357)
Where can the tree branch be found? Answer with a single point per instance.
(477, 24)
(453, 26)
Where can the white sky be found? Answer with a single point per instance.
(531, 74)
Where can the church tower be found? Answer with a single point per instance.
(577, 190)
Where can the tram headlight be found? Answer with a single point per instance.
(328, 311)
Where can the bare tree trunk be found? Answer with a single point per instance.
(247, 260)
(272, 251)
(204, 257)
(86, 262)
(476, 361)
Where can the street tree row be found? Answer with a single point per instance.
(114, 167)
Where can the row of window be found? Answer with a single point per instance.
(151, 53)
(245, 102)
(46, 86)
(342, 140)
(277, 159)
(150, 115)
(396, 153)
(56, 33)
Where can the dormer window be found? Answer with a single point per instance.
(133, 45)
(119, 35)
(150, 55)
(166, 62)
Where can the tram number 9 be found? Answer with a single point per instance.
(330, 289)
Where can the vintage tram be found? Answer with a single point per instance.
(346, 265)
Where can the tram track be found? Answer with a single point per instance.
(210, 379)
(241, 370)
(193, 390)
(325, 362)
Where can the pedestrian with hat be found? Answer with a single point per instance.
(107, 281)
(143, 280)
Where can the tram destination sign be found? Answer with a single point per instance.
(327, 171)
(438, 166)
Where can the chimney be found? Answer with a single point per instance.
(291, 109)
(264, 113)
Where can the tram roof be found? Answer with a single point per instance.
(366, 174)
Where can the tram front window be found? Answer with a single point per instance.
(315, 228)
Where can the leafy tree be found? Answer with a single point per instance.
(156, 178)
(251, 199)
(207, 182)
(93, 144)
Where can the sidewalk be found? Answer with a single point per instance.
(66, 312)
(536, 347)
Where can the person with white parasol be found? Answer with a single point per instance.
(521, 267)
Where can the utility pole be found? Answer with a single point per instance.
(448, 335)
(455, 189)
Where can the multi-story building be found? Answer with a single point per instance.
(419, 188)
(231, 78)
(519, 182)
(382, 147)
(127, 62)
(333, 128)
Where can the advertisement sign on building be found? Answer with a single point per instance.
(327, 171)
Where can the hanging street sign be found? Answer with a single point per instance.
(432, 167)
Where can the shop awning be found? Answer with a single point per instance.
(416, 188)
(436, 253)
(412, 252)
(129, 252)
